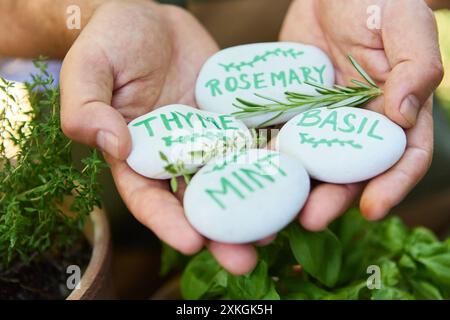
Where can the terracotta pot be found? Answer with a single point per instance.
(96, 282)
(169, 291)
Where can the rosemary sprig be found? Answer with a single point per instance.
(335, 97)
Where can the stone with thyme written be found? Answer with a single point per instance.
(246, 196)
(343, 145)
(269, 69)
(177, 139)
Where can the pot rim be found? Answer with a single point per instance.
(98, 234)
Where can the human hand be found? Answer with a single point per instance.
(403, 57)
(132, 57)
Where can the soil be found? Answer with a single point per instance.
(45, 277)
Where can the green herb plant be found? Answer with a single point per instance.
(222, 146)
(41, 178)
(337, 263)
(335, 97)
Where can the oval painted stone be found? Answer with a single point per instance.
(184, 136)
(343, 145)
(246, 196)
(269, 69)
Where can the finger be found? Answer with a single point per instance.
(390, 188)
(327, 202)
(301, 17)
(266, 241)
(411, 45)
(86, 114)
(156, 207)
(238, 259)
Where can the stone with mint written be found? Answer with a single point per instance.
(184, 137)
(246, 196)
(343, 145)
(269, 69)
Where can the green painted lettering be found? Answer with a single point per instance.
(187, 117)
(167, 121)
(147, 125)
(280, 76)
(225, 186)
(362, 125)
(225, 120)
(350, 127)
(320, 71)
(244, 78)
(331, 119)
(311, 114)
(213, 85)
(293, 77)
(307, 74)
(372, 131)
(258, 82)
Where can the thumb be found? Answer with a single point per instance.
(86, 114)
(411, 44)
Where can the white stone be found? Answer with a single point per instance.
(343, 145)
(269, 69)
(177, 131)
(247, 196)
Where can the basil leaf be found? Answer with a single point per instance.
(438, 268)
(170, 259)
(425, 290)
(303, 289)
(389, 236)
(256, 285)
(201, 274)
(351, 292)
(319, 253)
(391, 294)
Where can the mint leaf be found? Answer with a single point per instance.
(319, 253)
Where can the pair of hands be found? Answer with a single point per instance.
(136, 55)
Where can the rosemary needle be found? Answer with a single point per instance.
(335, 97)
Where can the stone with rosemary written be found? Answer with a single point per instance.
(269, 69)
(246, 196)
(178, 139)
(343, 145)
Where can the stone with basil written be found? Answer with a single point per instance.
(247, 196)
(269, 69)
(343, 145)
(182, 134)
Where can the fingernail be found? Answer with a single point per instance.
(108, 142)
(410, 109)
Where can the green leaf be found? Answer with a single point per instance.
(174, 184)
(438, 268)
(361, 71)
(390, 274)
(425, 290)
(319, 253)
(389, 236)
(163, 157)
(390, 294)
(201, 274)
(256, 285)
(351, 292)
(170, 259)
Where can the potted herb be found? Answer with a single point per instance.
(353, 259)
(51, 227)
